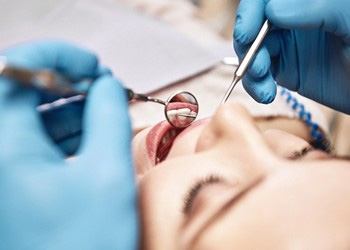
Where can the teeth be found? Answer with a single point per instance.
(173, 133)
(168, 136)
(184, 111)
(165, 139)
(176, 112)
(182, 118)
(172, 112)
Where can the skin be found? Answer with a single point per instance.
(262, 199)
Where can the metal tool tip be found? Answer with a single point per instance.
(234, 82)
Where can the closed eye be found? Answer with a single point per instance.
(196, 188)
(297, 155)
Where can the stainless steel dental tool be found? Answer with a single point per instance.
(180, 109)
(243, 66)
(45, 80)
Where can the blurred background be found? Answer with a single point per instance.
(219, 15)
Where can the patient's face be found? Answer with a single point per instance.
(227, 185)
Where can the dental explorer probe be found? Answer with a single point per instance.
(243, 66)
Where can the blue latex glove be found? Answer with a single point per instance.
(47, 202)
(308, 49)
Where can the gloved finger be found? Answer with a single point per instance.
(103, 70)
(71, 61)
(106, 123)
(296, 14)
(346, 54)
(249, 19)
(21, 132)
(260, 65)
(70, 144)
(262, 90)
(272, 43)
(64, 126)
(292, 14)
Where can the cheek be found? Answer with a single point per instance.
(160, 215)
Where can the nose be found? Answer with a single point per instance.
(231, 122)
(233, 129)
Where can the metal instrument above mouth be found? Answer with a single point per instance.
(243, 66)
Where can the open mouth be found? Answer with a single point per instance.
(159, 141)
(161, 137)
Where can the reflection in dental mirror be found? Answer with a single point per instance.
(181, 109)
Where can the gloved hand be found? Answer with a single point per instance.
(48, 202)
(307, 50)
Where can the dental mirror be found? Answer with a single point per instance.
(181, 109)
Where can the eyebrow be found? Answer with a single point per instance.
(225, 208)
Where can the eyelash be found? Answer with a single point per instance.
(299, 154)
(194, 190)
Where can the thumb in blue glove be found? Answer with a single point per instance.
(308, 49)
(48, 202)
